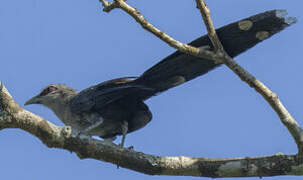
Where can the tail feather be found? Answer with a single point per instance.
(236, 38)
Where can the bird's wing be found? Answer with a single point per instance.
(96, 97)
(236, 38)
(178, 68)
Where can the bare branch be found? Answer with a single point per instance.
(13, 116)
(285, 117)
(205, 12)
(108, 6)
(202, 53)
(294, 128)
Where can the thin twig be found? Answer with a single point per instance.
(108, 6)
(198, 52)
(209, 25)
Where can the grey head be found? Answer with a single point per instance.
(53, 95)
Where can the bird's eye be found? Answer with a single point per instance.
(48, 90)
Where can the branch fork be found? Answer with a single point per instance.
(219, 55)
(272, 98)
(108, 6)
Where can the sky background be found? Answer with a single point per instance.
(215, 116)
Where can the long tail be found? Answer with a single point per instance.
(236, 38)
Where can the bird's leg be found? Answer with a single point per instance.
(124, 131)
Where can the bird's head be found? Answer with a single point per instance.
(52, 94)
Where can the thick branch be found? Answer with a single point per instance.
(285, 117)
(13, 116)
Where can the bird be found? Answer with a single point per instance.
(116, 107)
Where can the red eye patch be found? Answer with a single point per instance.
(48, 90)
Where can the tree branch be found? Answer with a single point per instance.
(220, 56)
(285, 117)
(205, 12)
(108, 6)
(202, 53)
(13, 116)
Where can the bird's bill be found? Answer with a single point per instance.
(33, 100)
